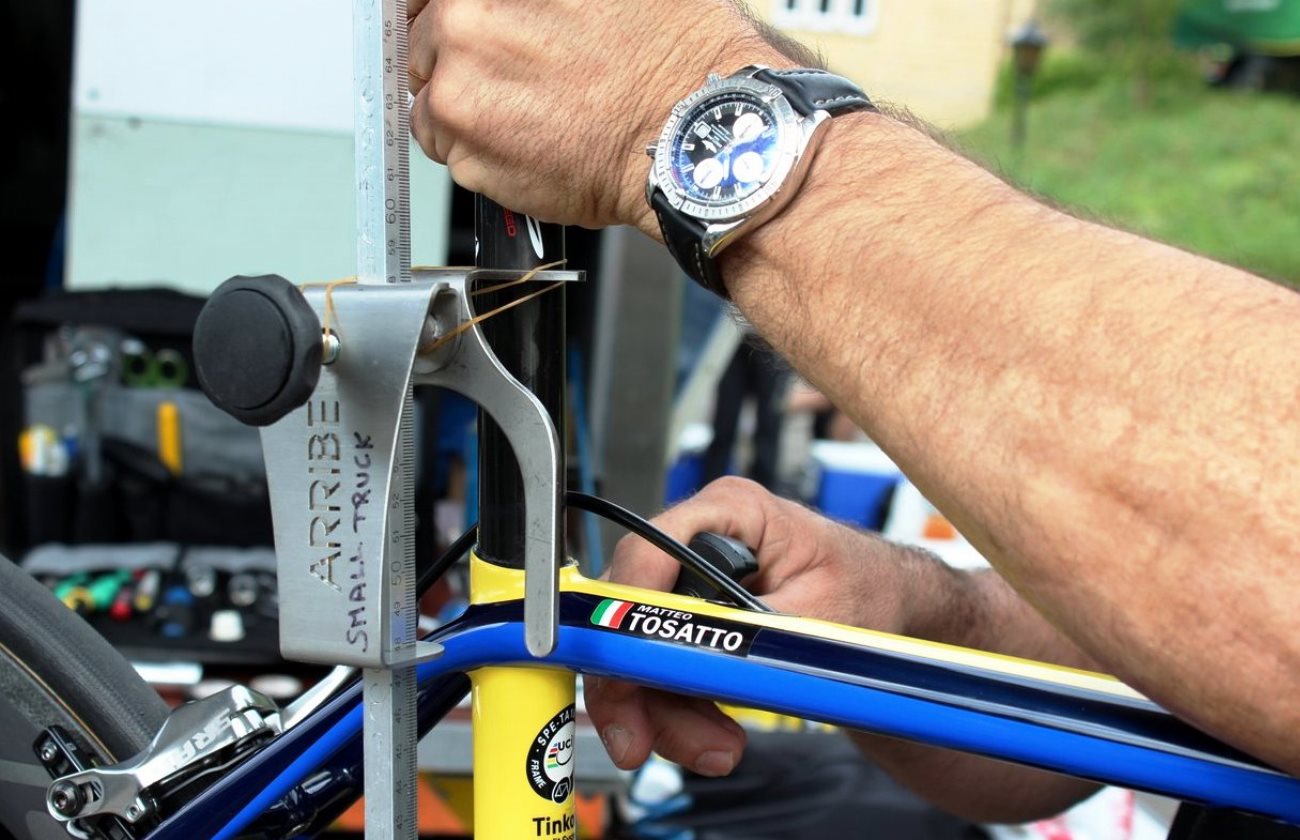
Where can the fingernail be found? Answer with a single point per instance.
(715, 763)
(617, 741)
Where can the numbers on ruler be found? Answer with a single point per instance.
(381, 79)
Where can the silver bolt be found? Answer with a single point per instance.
(48, 752)
(330, 350)
(431, 332)
(133, 813)
(66, 799)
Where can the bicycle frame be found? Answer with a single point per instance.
(1058, 719)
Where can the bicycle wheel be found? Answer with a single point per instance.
(54, 669)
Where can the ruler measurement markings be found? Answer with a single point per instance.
(383, 145)
(383, 256)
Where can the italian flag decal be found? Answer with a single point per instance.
(610, 613)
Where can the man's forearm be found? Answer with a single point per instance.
(977, 610)
(1111, 421)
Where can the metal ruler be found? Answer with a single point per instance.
(382, 125)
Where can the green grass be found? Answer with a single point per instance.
(1215, 172)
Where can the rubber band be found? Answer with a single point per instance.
(478, 319)
(331, 285)
(527, 277)
(329, 303)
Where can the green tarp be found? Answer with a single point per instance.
(1262, 26)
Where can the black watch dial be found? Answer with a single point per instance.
(725, 149)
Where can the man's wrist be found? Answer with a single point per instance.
(942, 604)
(979, 609)
(855, 145)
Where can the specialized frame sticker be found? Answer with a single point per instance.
(550, 758)
(682, 628)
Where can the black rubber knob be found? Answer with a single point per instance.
(257, 348)
(731, 557)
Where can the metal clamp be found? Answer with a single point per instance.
(468, 366)
(337, 470)
(341, 472)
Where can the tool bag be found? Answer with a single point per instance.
(115, 443)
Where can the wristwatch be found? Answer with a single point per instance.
(734, 153)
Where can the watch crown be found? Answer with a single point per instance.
(713, 78)
(650, 149)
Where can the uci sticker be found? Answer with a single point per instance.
(682, 628)
(550, 758)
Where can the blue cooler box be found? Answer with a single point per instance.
(855, 482)
(687, 471)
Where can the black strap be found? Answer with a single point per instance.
(808, 91)
(684, 237)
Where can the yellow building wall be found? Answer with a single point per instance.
(938, 58)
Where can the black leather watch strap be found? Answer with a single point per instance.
(684, 237)
(810, 90)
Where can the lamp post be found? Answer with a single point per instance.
(1028, 45)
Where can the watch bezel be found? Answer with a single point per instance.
(790, 139)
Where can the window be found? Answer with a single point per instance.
(854, 16)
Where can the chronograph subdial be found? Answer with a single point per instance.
(748, 126)
(748, 167)
(708, 173)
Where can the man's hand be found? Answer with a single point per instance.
(808, 566)
(546, 106)
(811, 566)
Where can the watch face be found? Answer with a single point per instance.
(725, 149)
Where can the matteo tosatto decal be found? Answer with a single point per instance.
(550, 758)
(683, 628)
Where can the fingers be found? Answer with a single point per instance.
(422, 46)
(422, 57)
(634, 721)
(793, 598)
(617, 710)
(425, 128)
(694, 733)
(730, 506)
